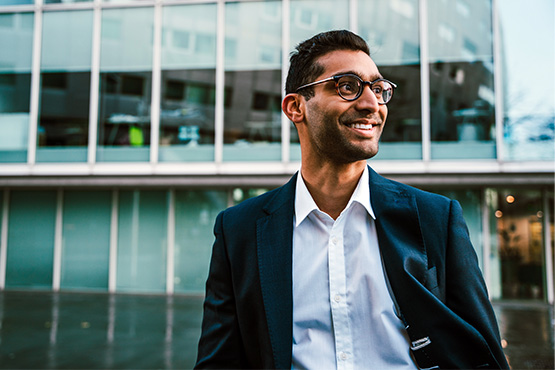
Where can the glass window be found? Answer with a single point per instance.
(65, 86)
(64, 1)
(518, 216)
(528, 57)
(392, 32)
(461, 80)
(252, 108)
(86, 239)
(30, 255)
(15, 2)
(125, 85)
(195, 212)
(188, 83)
(142, 241)
(16, 35)
(309, 17)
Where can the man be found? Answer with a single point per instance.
(342, 268)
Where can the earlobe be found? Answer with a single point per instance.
(293, 107)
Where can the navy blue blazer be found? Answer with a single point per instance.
(429, 261)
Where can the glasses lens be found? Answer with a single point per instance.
(383, 91)
(348, 87)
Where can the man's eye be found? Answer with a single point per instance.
(348, 87)
(377, 89)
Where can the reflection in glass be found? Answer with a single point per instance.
(528, 58)
(519, 218)
(125, 85)
(309, 17)
(195, 212)
(391, 30)
(86, 240)
(65, 86)
(461, 80)
(16, 35)
(188, 83)
(30, 255)
(142, 241)
(252, 107)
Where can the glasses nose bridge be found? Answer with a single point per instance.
(369, 83)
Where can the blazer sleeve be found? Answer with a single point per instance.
(220, 344)
(466, 292)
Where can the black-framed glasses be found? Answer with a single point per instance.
(350, 87)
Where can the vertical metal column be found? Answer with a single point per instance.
(425, 82)
(220, 77)
(95, 83)
(35, 85)
(4, 238)
(548, 253)
(112, 273)
(57, 265)
(156, 82)
(170, 262)
(285, 45)
(498, 83)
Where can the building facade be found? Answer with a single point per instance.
(126, 126)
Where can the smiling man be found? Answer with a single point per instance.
(341, 268)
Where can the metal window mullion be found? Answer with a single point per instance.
(547, 246)
(285, 45)
(156, 82)
(58, 241)
(353, 15)
(486, 241)
(113, 264)
(498, 83)
(4, 238)
(220, 81)
(170, 268)
(35, 85)
(425, 82)
(95, 83)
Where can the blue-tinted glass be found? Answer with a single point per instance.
(125, 84)
(15, 2)
(188, 83)
(16, 35)
(86, 239)
(528, 57)
(461, 79)
(309, 17)
(195, 212)
(32, 220)
(142, 241)
(65, 86)
(252, 112)
(391, 29)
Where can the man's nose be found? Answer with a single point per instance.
(367, 100)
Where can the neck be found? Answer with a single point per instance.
(332, 185)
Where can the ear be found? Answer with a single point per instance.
(293, 106)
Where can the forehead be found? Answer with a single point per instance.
(342, 61)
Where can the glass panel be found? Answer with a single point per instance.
(528, 36)
(195, 212)
(15, 2)
(65, 86)
(64, 1)
(16, 35)
(519, 218)
(188, 83)
(309, 17)
(472, 212)
(461, 80)
(86, 239)
(125, 85)
(142, 241)
(392, 32)
(30, 257)
(252, 113)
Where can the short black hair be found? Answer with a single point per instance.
(304, 69)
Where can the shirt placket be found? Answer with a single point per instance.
(338, 297)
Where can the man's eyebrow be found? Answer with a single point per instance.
(359, 74)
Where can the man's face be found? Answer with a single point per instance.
(336, 129)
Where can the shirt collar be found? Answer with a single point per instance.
(304, 203)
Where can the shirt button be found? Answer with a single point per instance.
(337, 298)
(343, 356)
(334, 240)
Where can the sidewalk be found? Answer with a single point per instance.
(41, 330)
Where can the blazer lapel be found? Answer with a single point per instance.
(274, 235)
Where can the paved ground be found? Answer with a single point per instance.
(101, 331)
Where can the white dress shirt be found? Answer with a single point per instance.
(343, 314)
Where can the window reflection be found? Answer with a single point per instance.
(391, 30)
(188, 83)
(252, 116)
(461, 80)
(16, 35)
(125, 85)
(529, 97)
(65, 86)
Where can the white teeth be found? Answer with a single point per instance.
(361, 126)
